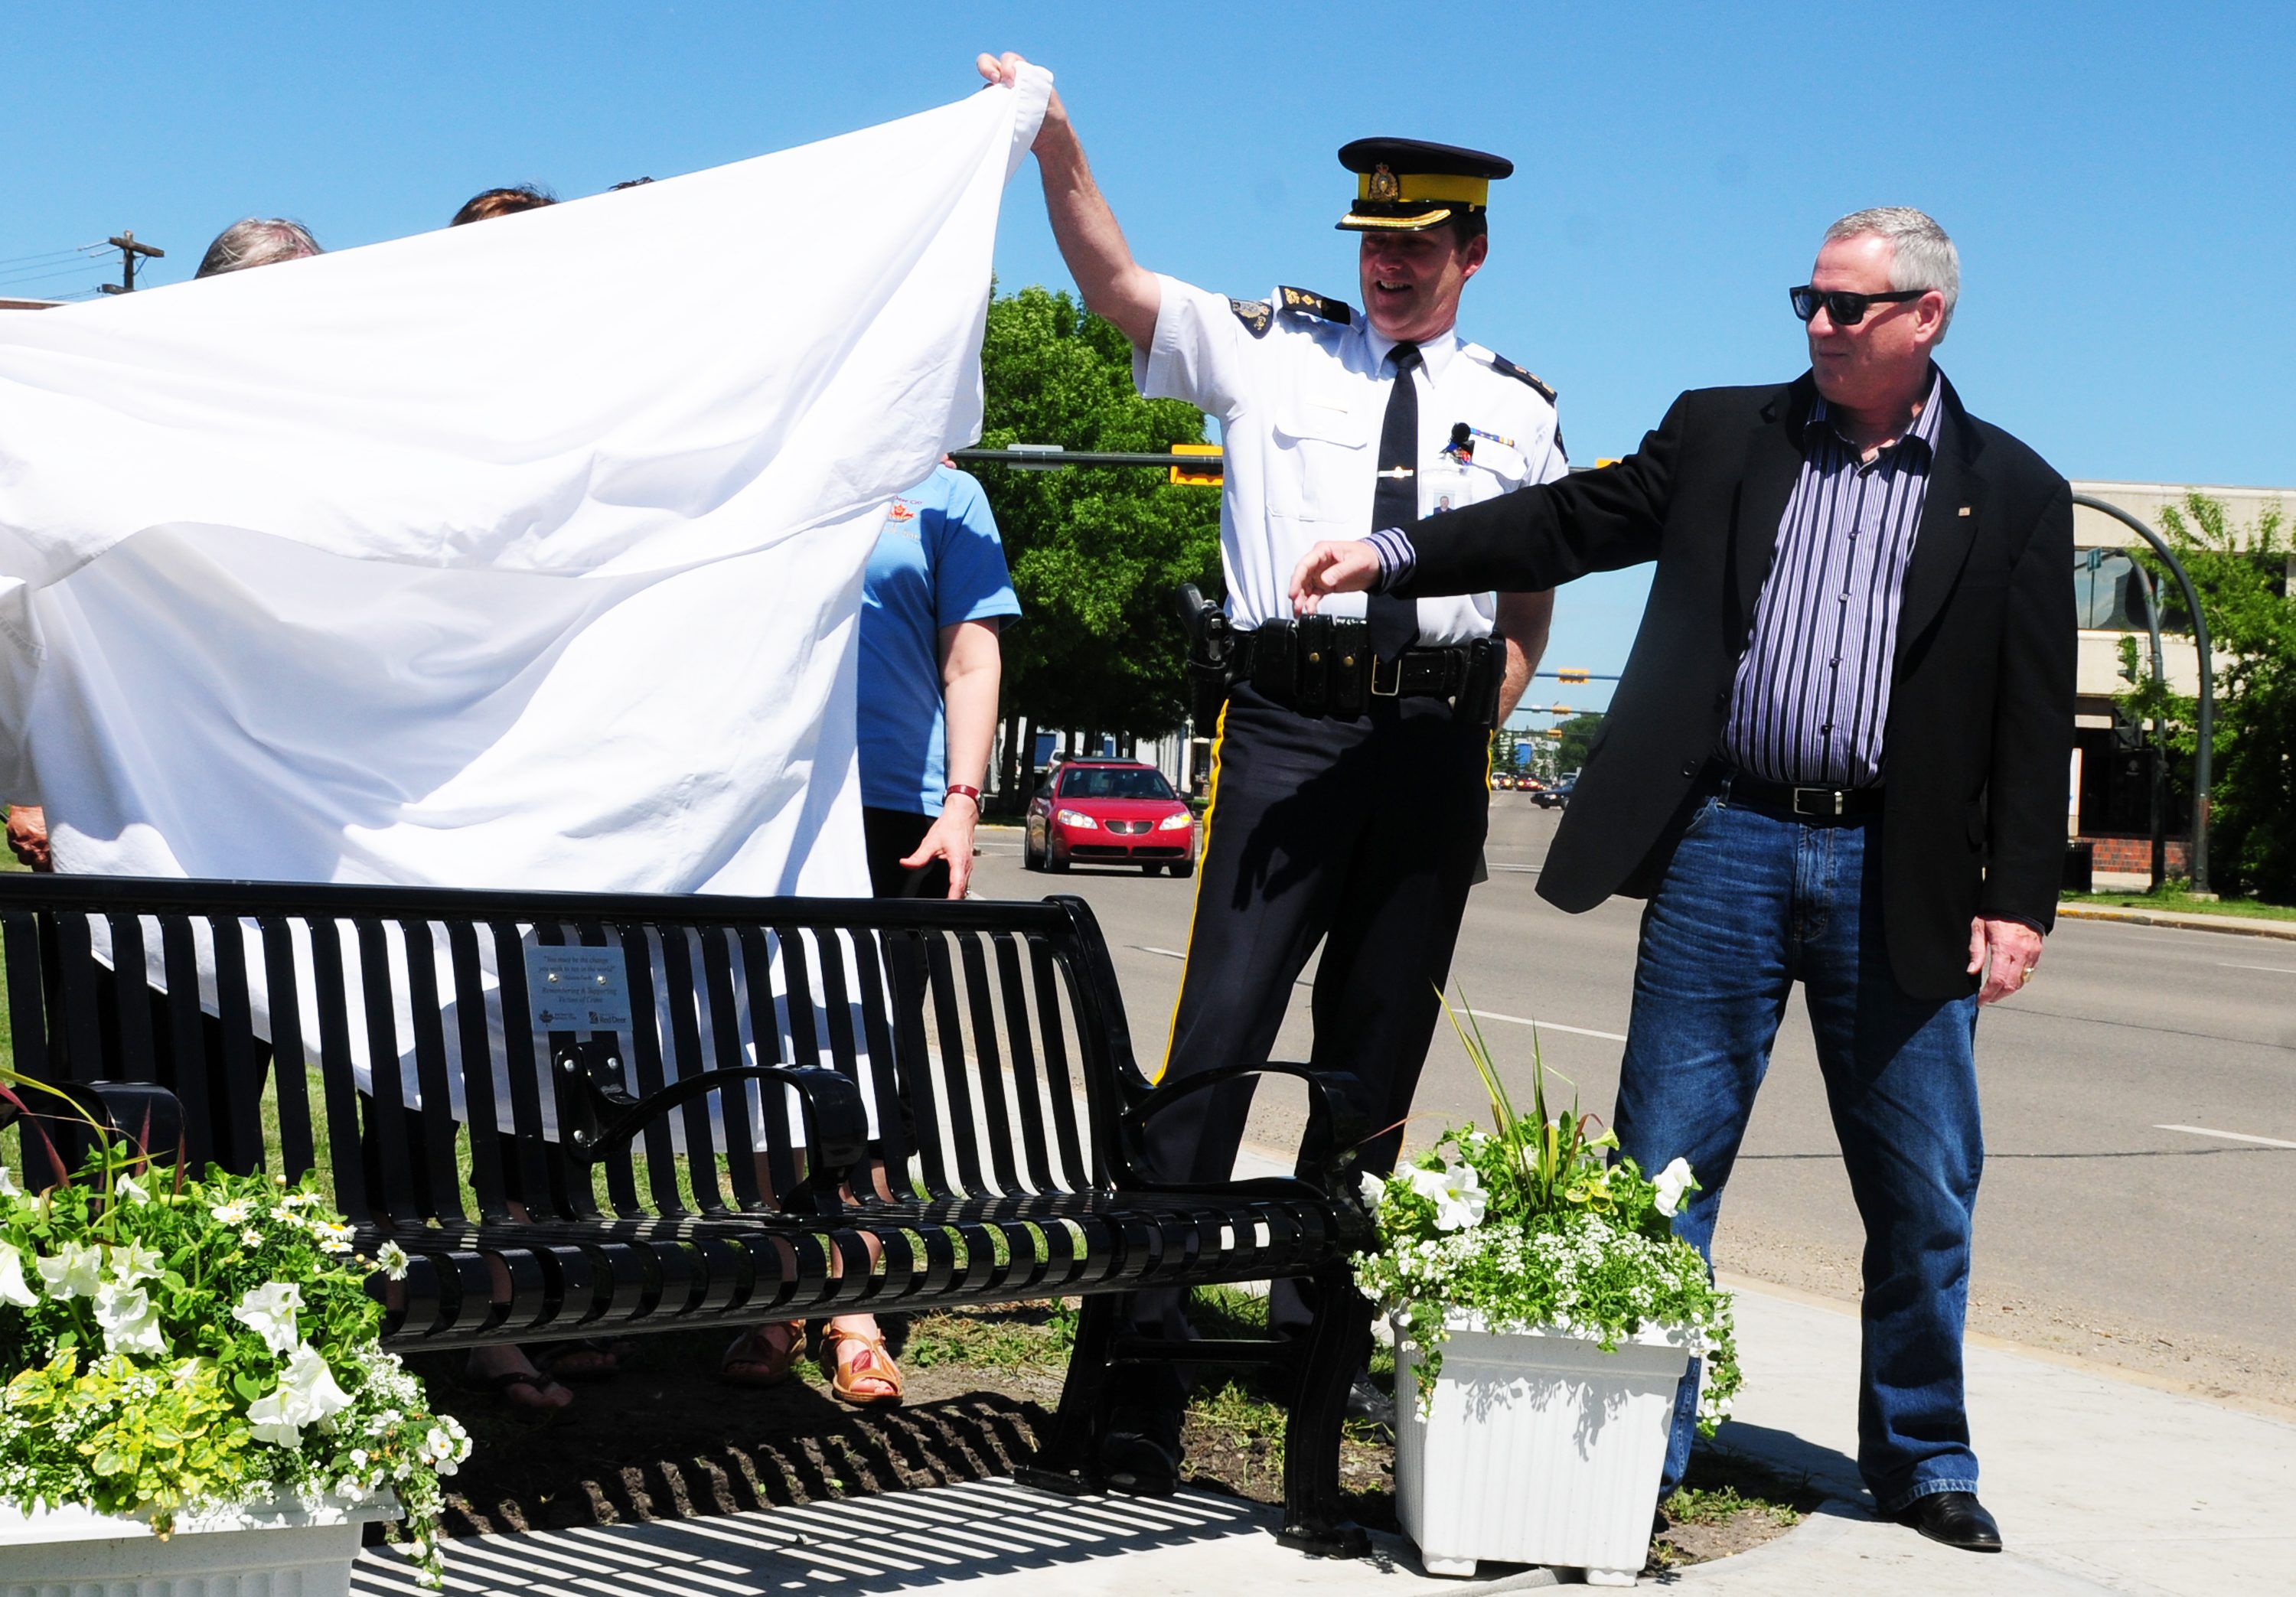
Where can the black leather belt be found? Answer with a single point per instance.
(1323, 665)
(1789, 802)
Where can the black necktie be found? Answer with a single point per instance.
(1395, 502)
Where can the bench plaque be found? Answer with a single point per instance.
(578, 989)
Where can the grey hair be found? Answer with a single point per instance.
(257, 242)
(1921, 256)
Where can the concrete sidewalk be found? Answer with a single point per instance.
(2101, 1486)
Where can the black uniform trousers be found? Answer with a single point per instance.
(1363, 834)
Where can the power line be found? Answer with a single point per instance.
(48, 255)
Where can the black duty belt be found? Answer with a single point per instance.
(1791, 802)
(1325, 664)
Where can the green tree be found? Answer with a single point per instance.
(1578, 737)
(1096, 551)
(2241, 578)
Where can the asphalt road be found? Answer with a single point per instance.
(2100, 1234)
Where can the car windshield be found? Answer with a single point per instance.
(1117, 782)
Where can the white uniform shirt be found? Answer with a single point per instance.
(1302, 397)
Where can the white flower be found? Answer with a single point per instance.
(269, 1311)
(250, 1238)
(331, 1238)
(280, 1211)
(8, 1187)
(1373, 1189)
(235, 1213)
(74, 1272)
(358, 1458)
(131, 1262)
(129, 1322)
(14, 1288)
(1457, 1193)
(307, 1395)
(1672, 1183)
(392, 1257)
(132, 1190)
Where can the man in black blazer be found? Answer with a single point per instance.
(1838, 755)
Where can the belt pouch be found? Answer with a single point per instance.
(1477, 700)
(1315, 663)
(1274, 662)
(1350, 662)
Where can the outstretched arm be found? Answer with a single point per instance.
(1532, 539)
(1113, 285)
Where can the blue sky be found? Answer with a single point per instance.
(2118, 176)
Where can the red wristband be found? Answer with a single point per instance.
(958, 788)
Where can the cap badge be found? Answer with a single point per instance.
(1384, 187)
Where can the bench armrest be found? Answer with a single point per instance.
(1338, 1122)
(597, 1115)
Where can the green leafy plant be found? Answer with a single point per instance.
(1536, 1225)
(182, 1345)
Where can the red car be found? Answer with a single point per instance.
(1109, 812)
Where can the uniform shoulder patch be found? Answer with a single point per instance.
(1258, 315)
(1501, 363)
(1306, 302)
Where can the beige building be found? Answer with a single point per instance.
(2111, 778)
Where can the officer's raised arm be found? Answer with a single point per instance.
(1113, 285)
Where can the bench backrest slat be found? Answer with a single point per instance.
(242, 1070)
(727, 1054)
(289, 1076)
(481, 1112)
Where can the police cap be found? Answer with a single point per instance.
(1403, 186)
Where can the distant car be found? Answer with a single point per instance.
(1557, 797)
(1108, 812)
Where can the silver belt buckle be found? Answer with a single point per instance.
(1395, 683)
(1834, 794)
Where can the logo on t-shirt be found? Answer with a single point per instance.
(900, 516)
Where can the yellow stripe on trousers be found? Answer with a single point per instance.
(1195, 899)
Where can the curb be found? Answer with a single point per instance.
(2237, 925)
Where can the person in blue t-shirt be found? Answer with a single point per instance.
(935, 596)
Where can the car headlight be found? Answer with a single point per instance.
(1174, 822)
(1077, 818)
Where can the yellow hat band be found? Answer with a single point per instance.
(1411, 186)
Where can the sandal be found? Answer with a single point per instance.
(755, 1360)
(503, 1382)
(590, 1359)
(871, 1362)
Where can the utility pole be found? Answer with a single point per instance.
(129, 249)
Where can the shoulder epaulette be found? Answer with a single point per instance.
(1258, 315)
(1304, 303)
(1500, 363)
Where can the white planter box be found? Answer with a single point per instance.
(250, 1549)
(1541, 1449)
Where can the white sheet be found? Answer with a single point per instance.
(525, 554)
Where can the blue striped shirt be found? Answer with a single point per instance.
(1811, 702)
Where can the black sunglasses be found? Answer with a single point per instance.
(1845, 308)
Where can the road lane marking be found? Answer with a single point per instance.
(1480, 1014)
(1580, 1031)
(2229, 1137)
(2280, 970)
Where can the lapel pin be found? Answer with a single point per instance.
(1963, 511)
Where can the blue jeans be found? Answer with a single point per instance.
(1751, 904)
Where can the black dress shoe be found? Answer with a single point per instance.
(1138, 1465)
(1957, 1518)
(1367, 1403)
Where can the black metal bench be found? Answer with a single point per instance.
(459, 1037)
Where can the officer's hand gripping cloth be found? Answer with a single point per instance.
(523, 556)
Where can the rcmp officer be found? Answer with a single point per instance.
(1350, 765)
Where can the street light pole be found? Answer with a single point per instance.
(2204, 745)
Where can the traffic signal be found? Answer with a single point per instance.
(1205, 469)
